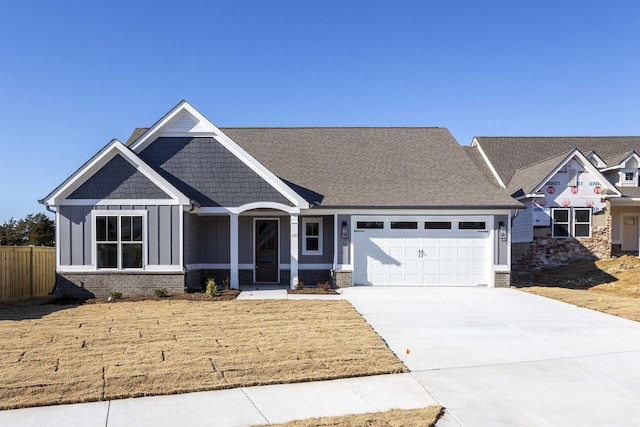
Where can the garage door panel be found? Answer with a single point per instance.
(396, 257)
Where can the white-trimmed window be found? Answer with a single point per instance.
(628, 177)
(582, 222)
(570, 222)
(312, 236)
(119, 241)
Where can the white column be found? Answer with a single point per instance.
(294, 250)
(233, 249)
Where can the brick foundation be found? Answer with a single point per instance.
(501, 279)
(342, 279)
(546, 250)
(98, 285)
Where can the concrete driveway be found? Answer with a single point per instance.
(501, 357)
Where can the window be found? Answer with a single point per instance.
(472, 225)
(582, 222)
(437, 225)
(404, 225)
(370, 224)
(312, 236)
(629, 176)
(119, 242)
(569, 222)
(560, 222)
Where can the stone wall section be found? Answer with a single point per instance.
(546, 250)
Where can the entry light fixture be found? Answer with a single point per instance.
(345, 230)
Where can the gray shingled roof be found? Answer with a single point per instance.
(363, 167)
(508, 154)
(524, 180)
(615, 160)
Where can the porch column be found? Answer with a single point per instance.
(233, 251)
(294, 250)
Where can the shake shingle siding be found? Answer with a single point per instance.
(207, 172)
(118, 179)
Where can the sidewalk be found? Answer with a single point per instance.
(240, 407)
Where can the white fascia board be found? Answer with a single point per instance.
(586, 164)
(623, 163)
(118, 202)
(530, 196)
(625, 201)
(412, 212)
(214, 132)
(475, 143)
(593, 154)
(112, 149)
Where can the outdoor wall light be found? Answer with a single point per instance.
(502, 231)
(345, 230)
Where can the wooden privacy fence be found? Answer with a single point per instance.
(26, 271)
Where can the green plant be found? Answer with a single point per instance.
(212, 288)
(226, 282)
(115, 295)
(161, 292)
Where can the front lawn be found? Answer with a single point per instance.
(67, 354)
(611, 286)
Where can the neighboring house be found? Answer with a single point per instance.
(581, 193)
(185, 200)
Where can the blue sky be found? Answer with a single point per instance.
(76, 74)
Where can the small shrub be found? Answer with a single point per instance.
(212, 288)
(115, 295)
(161, 292)
(326, 286)
(299, 286)
(226, 283)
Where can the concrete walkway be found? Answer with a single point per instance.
(492, 357)
(501, 357)
(240, 407)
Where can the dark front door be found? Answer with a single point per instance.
(267, 250)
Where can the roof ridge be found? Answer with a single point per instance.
(565, 154)
(332, 127)
(560, 137)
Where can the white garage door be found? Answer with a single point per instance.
(421, 251)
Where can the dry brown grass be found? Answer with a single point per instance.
(63, 354)
(611, 286)
(425, 417)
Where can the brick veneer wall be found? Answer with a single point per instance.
(90, 285)
(501, 279)
(342, 279)
(545, 250)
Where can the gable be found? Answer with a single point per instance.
(574, 184)
(129, 172)
(118, 179)
(205, 171)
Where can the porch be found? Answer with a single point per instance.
(259, 246)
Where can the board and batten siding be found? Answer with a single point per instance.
(327, 242)
(522, 227)
(343, 244)
(163, 233)
(206, 239)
